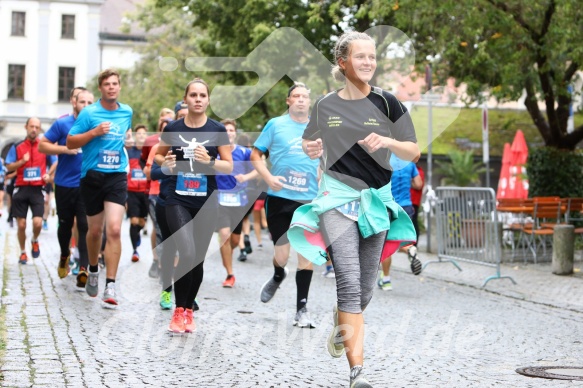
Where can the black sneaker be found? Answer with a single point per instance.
(248, 248)
(242, 256)
(416, 266)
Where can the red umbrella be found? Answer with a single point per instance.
(519, 149)
(518, 184)
(504, 173)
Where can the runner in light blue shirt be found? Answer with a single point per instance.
(104, 153)
(292, 181)
(102, 130)
(282, 137)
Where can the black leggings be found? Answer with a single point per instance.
(168, 248)
(415, 220)
(192, 230)
(70, 206)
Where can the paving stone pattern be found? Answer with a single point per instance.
(429, 331)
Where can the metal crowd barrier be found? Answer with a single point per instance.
(468, 228)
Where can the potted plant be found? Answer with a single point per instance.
(461, 170)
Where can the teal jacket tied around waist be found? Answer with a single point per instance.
(304, 232)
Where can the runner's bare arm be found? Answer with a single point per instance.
(225, 164)
(312, 148)
(79, 140)
(405, 150)
(247, 177)
(129, 140)
(48, 148)
(417, 183)
(274, 182)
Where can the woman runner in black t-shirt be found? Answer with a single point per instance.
(188, 153)
(354, 130)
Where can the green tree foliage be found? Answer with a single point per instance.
(505, 48)
(461, 170)
(552, 172)
(146, 87)
(234, 29)
(151, 85)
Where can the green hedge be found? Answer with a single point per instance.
(554, 172)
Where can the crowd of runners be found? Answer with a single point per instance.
(318, 178)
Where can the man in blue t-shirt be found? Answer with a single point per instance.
(292, 181)
(67, 191)
(102, 130)
(404, 177)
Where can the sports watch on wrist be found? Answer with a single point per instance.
(212, 161)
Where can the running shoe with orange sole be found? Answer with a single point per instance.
(189, 325)
(35, 251)
(23, 258)
(177, 322)
(229, 281)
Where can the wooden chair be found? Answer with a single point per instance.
(547, 212)
(513, 215)
(574, 211)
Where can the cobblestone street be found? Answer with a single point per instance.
(426, 332)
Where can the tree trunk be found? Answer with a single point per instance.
(553, 134)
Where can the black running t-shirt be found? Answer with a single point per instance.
(342, 123)
(192, 183)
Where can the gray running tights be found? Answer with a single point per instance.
(355, 259)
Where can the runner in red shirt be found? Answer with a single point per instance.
(31, 175)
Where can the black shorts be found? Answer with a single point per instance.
(99, 187)
(138, 204)
(10, 187)
(279, 212)
(232, 217)
(69, 202)
(2, 186)
(24, 197)
(49, 188)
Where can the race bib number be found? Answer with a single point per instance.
(297, 181)
(32, 174)
(233, 199)
(138, 175)
(194, 185)
(350, 209)
(110, 160)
